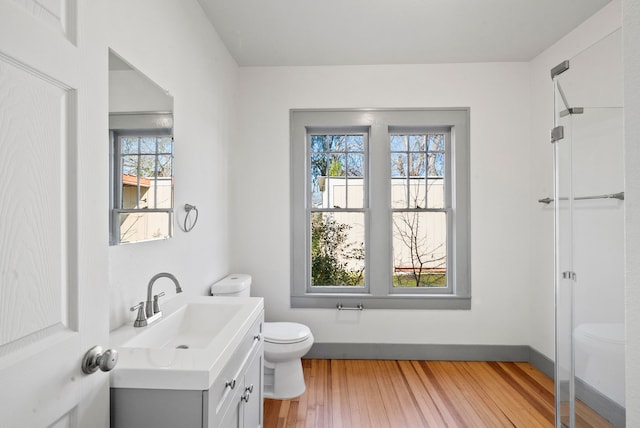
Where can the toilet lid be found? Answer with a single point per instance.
(285, 332)
(605, 332)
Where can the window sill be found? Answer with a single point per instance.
(404, 301)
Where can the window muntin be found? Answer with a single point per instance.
(443, 158)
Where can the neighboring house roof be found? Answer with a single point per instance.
(132, 180)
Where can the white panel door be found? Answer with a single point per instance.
(51, 304)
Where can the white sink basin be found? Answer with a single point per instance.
(188, 347)
(193, 325)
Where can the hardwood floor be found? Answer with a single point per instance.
(389, 393)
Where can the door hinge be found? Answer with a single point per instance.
(569, 275)
(557, 133)
(560, 68)
(572, 110)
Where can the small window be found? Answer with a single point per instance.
(142, 190)
(380, 208)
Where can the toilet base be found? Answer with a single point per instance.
(283, 380)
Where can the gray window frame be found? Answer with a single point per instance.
(378, 292)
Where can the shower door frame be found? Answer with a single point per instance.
(564, 274)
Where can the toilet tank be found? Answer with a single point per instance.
(234, 285)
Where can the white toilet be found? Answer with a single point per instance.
(285, 343)
(600, 357)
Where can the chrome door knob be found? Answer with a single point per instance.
(96, 358)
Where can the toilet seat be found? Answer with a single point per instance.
(285, 332)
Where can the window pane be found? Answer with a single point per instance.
(320, 143)
(435, 165)
(130, 198)
(143, 226)
(338, 143)
(417, 143)
(147, 166)
(355, 165)
(337, 249)
(129, 145)
(337, 165)
(148, 145)
(355, 180)
(165, 145)
(417, 164)
(435, 193)
(399, 195)
(436, 142)
(419, 249)
(164, 166)
(336, 193)
(398, 143)
(355, 143)
(417, 193)
(130, 165)
(160, 194)
(399, 165)
(319, 167)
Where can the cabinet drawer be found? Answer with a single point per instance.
(231, 378)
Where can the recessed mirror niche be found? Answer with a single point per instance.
(141, 152)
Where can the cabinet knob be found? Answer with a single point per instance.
(230, 383)
(245, 396)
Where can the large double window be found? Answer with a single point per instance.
(380, 208)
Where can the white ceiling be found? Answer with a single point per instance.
(349, 32)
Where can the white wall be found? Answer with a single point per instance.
(540, 269)
(174, 45)
(131, 91)
(498, 94)
(631, 10)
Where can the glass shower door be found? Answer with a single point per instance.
(589, 236)
(564, 270)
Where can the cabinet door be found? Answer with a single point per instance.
(231, 419)
(252, 404)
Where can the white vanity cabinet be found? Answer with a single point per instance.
(245, 409)
(234, 399)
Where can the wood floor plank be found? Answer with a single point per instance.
(456, 397)
(536, 394)
(378, 418)
(513, 405)
(340, 403)
(475, 393)
(397, 400)
(388, 393)
(426, 405)
(355, 385)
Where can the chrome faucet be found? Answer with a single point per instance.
(149, 306)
